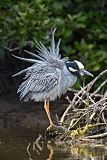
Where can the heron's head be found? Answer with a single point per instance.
(77, 68)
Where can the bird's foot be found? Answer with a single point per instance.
(51, 127)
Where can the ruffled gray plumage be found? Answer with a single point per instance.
(42, 79)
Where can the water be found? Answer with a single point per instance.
(18, 145)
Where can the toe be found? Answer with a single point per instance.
(50, 127)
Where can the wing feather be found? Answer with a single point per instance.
(39, 83)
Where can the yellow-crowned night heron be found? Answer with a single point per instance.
(50, 76)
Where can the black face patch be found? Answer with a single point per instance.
(74, 68)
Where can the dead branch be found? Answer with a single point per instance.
(97, 136)
(99, 88)
(87, 108)
(65, 113)
(11, 49)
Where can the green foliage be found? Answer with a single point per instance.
(81, 24)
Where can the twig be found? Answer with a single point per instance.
(99, 102)
(98, 124)
(79, 119)
(68, 99)
(71, 123)
(79, 109)
(29, 151)
(57, 118)
(99, 88)
(64, 114)
(102, 109)
(87, 87)
(97, 136)
(95, 79)
(105, 94)
(11, 50)
(76, 91)
(36, 143)
(103, 118)
(88, 95)
(82, 100)
(92, 116)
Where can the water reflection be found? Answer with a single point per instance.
(26, 148)
(50, 148)
(39, 150)
(77, 152)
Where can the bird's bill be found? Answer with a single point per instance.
(84, 72)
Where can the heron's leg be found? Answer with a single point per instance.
(46, 106)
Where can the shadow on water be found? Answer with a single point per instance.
(20, 146)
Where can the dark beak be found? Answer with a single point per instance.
(84, 72)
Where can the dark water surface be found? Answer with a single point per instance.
(14, 145)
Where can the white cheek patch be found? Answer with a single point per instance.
(80, 65)
(72, 69)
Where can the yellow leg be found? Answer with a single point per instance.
(46, 107)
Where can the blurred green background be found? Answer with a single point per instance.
(81, 24)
